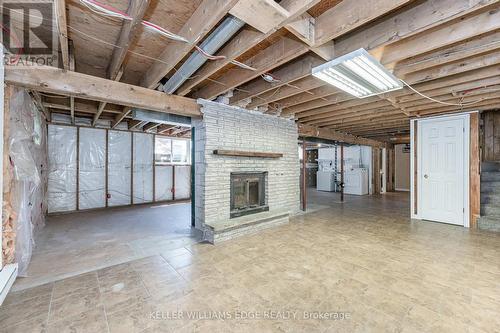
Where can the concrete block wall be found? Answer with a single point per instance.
(232, 128)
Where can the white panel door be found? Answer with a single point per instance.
(442, 170)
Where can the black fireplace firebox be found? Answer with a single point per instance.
(248, 193)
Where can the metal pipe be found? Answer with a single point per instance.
(227, 29)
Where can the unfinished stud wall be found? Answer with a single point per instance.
(25, 177)
(91, 168)
(231, 128)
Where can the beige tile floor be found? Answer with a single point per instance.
(77, 243)
(362, 265)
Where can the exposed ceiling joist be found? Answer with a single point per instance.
(273, 56)
(298, 69)
(243, 42)
(349, 15)
(263, 15)
(62, 29)
(329, 134)
(204, 19)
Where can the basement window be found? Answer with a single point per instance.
(172, 151)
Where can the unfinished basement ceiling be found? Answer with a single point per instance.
(446, 49)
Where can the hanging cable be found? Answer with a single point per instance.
(208, 55)
(440, 102)
(103, 9)
(242, 65)
(164, 32)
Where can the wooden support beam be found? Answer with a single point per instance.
(38, 102)
(349, 15)
(329, 134)
(72, 68)
(487, 104)
(365, 116)
(79, 107)
(304, 28)
(133, 124)
(102, 105)
(470, 48)
(469, 64)
(57, 81)
(203, 20)
(136, 10)
(295, 70)
(164, 127)
(474, 172)
(243, 42)
(290, 89)
(263, 15)
(62, 30)
(150, 126)
(119, 117)
(421, 17)
(454, 32)
(313, 94)
(317, 103)
(275, 55)
(324, 112)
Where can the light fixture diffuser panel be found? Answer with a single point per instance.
(359, 74)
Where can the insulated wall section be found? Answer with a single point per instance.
(62, 174)
(119, 168)
(143, 167)
(92, 168)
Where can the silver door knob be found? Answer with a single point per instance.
(426, 176)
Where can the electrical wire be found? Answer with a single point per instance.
(105, 10)
(438, 101)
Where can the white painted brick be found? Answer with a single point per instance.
(231, 128)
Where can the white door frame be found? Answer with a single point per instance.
(466, 119)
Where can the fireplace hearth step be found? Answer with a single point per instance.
(231, 228)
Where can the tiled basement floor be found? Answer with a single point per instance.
(72, 244)
(363, 260)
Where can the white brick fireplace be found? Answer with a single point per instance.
(227, 128)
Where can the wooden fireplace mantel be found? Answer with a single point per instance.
(242, 153)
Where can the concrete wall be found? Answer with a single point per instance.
(232, 128)
(402, 171)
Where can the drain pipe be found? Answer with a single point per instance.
(227, 29)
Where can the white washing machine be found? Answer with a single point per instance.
(325, 181)
(356, 181)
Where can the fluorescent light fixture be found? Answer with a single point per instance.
(359, 74)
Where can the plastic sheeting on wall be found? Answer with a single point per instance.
(62, 168)
(182, 182)
(27, 178)
(119, 168)
(143, 167)
(92, 168)
(163, 182)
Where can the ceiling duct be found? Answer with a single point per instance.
(160, 117)
(227, 29)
